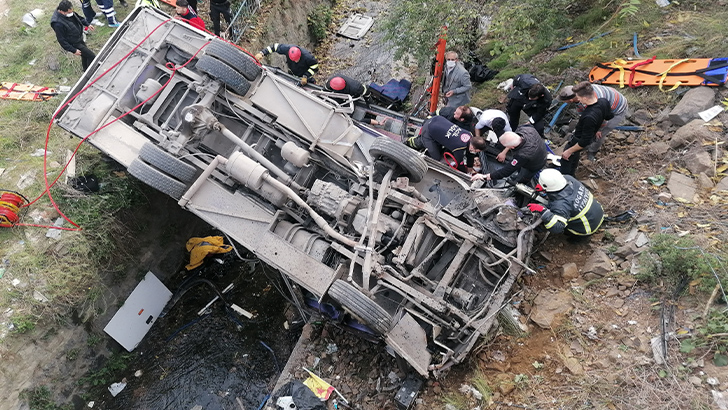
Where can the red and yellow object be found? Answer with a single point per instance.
(437, 76)
(672, 72)
(26, 92)
(10, 204)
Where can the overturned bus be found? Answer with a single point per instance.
(358, 221)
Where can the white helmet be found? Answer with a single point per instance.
(551, 180)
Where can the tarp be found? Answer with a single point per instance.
(396, 90)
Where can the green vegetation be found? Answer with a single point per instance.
(674, 261)
(23, 323)
(319, 20)
(414, 27)
(40, 398)
(66, 272)
(711, 337)
(456, 400)
(116, 363)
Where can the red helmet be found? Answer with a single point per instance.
(337, 83)
(294, 53)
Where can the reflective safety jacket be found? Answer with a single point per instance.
(573, 209)
(307, 65)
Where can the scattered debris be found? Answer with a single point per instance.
(31, 19)
(641, 240)
(657, 180)
(40, 152)
(55, 233)
(116, 388)
(720, 399)
(710, 113)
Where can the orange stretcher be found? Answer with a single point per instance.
(26, 92)
(675, 72)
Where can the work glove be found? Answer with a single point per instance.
(538, 188)
(259, 56)
(535, 208)
(304, 80)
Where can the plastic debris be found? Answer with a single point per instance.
(40, 152)
(662, 3)
(116, 388)
(286, 402)
(31, 19)
(318, 386)
(331, 348)
(710, 113)
(720, 399)
(657, 180)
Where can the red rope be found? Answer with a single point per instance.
(169, 65)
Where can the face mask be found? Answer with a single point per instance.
(69, 15)
(477, 169)
(450, 64)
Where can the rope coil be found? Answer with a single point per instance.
(10, 204)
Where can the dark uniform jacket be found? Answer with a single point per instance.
(438, 133)
(574, 209)
(69, 30)
(531, 154)
(353, 87)
(307, 65)
(535, 109)
(590, 122)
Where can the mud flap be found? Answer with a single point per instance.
(409, 340)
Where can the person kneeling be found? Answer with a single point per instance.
(572, 209)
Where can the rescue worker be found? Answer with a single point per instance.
(596, 112)
(572, 209)
(218, 8)
(530, 96)
(300, 61)
(529, 156)
(69, 29)
(456, 83)
(461, 116)
(344, 84)
(448, 142)
(492, 120)
(617, 103)
(185, 11)
(89, 14)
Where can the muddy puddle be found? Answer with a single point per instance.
(219, 360)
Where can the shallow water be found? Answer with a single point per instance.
(212, 361)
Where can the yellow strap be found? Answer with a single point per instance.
(663, 75)
(554, 220)
(620, 63)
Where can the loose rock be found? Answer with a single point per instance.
(696, 100)
(699, 162)
(695, 130)
(570, 271)
(681, 186)
(598, 263)
(547, 306)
